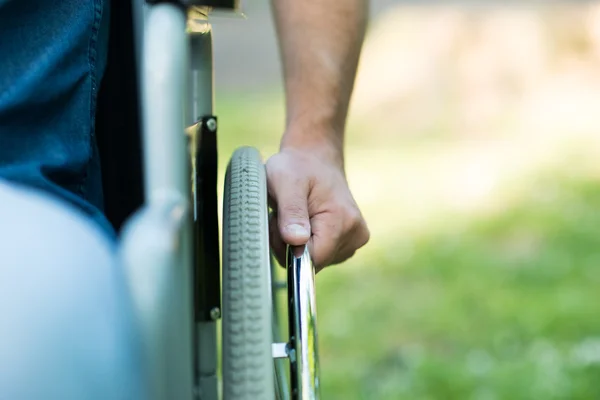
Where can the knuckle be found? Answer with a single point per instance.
(365, 236)
(354, 218)
(276, 171)
(359, 232)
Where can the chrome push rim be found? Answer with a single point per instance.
(303, 348)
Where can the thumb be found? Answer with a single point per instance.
(293, 219)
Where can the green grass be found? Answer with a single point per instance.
(503, 308)
(482, 307)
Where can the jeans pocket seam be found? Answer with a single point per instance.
(92, 64)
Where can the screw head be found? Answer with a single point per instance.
(211, 124)
(292, 355)
(215, 313)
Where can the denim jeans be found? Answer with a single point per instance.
(52, 57)
(65, 329)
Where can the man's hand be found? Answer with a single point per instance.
(320, 42)
(313, 204)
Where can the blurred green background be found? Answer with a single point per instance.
(473, 150)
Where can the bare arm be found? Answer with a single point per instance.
(320, 43)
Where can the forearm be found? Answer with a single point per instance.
(320, 43)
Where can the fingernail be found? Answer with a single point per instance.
(297, 230)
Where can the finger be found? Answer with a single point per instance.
(336, 239)
(357, 235)
(323, 245)
(278, 247)
(292, 210)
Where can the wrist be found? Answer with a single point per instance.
(323, 143)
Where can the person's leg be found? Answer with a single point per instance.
(66, 329)
(52, 57)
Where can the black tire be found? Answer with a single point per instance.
(247, 310)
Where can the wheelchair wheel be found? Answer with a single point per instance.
(247, 306)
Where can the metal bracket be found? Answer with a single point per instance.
(281, 350)
(207, 267)
(225, 4)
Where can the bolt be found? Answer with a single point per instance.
(215, 313)
(211, 124)
(292, 355)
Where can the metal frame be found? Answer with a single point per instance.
(207, 279)
(302, 348)
(170, 246)
(303, 352)
(157, 241)
(157, 247)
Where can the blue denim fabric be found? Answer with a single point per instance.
(52, 57)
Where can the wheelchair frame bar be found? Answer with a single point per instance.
(156, 249)
(207, 262)
(164, 91)
(150, 254)
(174, 53)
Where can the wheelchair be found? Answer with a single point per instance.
(157, 137)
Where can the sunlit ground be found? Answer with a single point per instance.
(474, 153)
